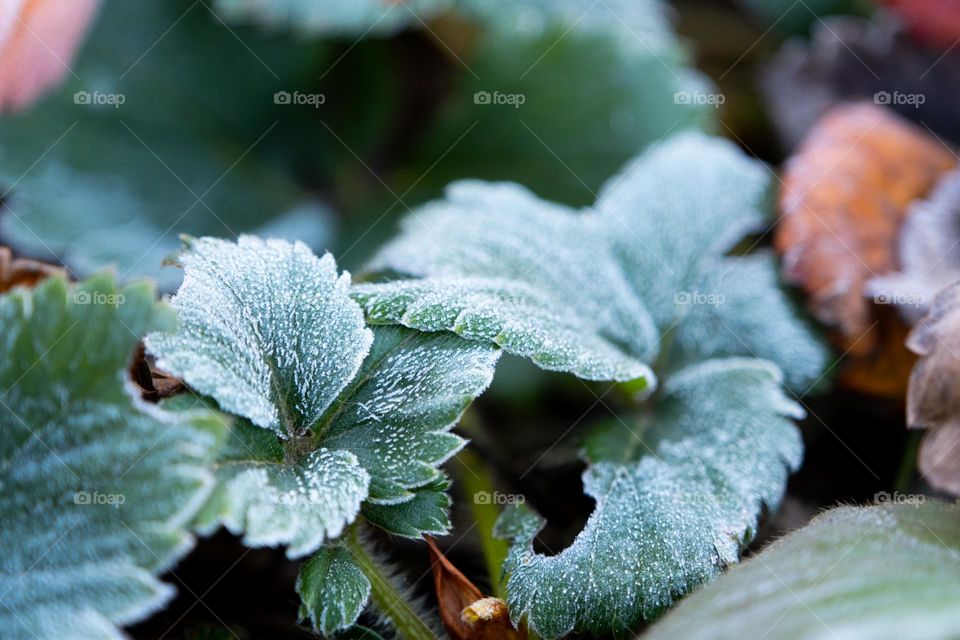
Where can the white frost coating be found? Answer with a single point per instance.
(545, 267)
(97, 492)
(299, 506)
(334, 590)
(266, 328)
(676, 497)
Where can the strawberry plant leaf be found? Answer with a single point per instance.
(333, 589)
(98, 487)
(530, 276)
(269, 332)
(677, 495)
(888, 571)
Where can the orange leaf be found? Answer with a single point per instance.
(465, 613)
(22, 272)
(936, 22)
(845, 194)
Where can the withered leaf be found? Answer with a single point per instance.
(23, 272)
(933, 401)
(154, 384)
(936, 22)
(465, 612)
(849, 59)
(845, 195)
(928, 249)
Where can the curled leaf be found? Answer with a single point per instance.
(845, 194)
(933, 401)
(466, 614)
(928, 249)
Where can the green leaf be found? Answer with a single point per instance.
(677, 494)
(333, 590)
(884, 572)
(269, 332)
(425, 513)
(529, 103)
(110, 183)
(530, 276)
(354, 18)
(98, 488)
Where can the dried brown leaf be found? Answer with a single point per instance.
(933, 401)
(845, 195)
(23, 272)
(465, 613)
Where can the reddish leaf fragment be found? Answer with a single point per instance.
(23, 272)
(936, 22)
(465, 613)
(845, 194)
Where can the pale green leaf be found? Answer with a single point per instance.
(884, 572)
(98, 488)
(334, 414)
(533, 277)
(333, 590)
(677, 495)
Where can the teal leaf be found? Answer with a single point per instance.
(334, 414)
(677, 496)
(530, 276)
(333, 590)
(886, 572)
(98, 488)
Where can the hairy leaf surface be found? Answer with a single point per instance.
(334, 590)
(346, 414)
(677, 494)
(885, 572)
(98, 489)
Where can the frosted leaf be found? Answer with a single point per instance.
(335, 414)
(98, 489)
(507, 268)
(677, 495)
(333, 589)
(885, 572)
(740, 309)
(266, 329)
(356, 18)
(674, 210)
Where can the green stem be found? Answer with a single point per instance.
(391, 603)
(476, 480)
(908, 463)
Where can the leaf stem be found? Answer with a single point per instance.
(476, 479)
(908, 463)
(391, 603)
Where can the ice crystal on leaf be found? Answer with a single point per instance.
(643, 276)
(98, 489)
(333, 417)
